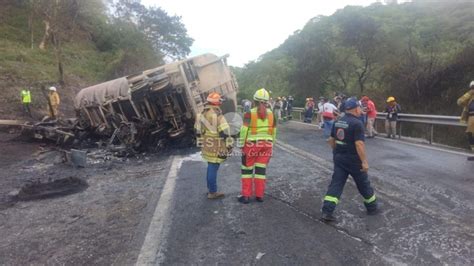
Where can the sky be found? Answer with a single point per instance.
(246, 29)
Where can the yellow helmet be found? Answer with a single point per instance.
(261, 95)
(390, 99)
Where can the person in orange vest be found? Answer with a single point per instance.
(257, 136)
(213, 136)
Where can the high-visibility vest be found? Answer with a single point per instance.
(25, 96)
(259, 129)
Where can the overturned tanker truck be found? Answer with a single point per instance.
(145, 110)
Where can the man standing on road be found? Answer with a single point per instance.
(347, 141)
(53, 98)
(257, 136)
(26, 100)
(467, 116)
(392, 110)
(246, 105)
(371, 115)
(309, 108)
(289, 112)
(284, 107)
(277, 109)
(213, 133)
(328, 113)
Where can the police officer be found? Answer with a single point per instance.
(347, 141)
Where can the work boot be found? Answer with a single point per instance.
(215, 195)
(243, 199)
(259, 199)
(327, 217)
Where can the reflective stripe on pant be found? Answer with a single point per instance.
(255, 157)
(345, 165)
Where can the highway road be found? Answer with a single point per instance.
(426, 197)
(152, 209)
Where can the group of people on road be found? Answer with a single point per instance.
(53, 102)
(282, 108)
(256, 138)
(344, 125)
(328, 112)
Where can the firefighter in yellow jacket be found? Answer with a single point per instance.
(54, 101)
(257, 136)
(213, 136)
(467, 116)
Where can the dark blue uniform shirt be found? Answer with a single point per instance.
(346, 131)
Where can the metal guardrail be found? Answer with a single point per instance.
(430, 120)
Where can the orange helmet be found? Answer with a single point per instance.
(214, 98)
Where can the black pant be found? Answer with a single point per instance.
(345, 165)
(26, 108)
(470, 137)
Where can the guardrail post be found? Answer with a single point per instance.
(431, 135)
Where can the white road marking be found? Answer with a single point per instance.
(407, 143)
(152, 251)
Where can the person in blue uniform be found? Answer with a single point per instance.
(347, 141)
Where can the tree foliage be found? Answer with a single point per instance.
(419, 52)
(136, 36)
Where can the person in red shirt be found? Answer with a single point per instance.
(371, 115)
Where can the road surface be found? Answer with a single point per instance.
(153, 209)
(426, 197)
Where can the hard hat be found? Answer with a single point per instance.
(390, 99)
(261, 95)
(214, 98)
(472, 84)
(52, 88)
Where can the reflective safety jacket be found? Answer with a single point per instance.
(467, 117)
(212, 131)
(54, 98)
(25, 96)
(255, 129)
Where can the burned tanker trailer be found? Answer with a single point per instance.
(149, 109)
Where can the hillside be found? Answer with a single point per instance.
(421, 52)
(85, 40)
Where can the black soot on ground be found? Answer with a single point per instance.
(51, 189)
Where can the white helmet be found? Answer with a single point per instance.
(472, 84)
(52, 88)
